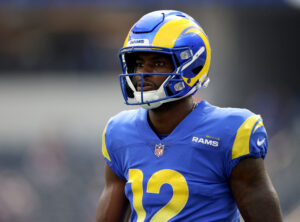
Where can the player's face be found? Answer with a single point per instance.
(152, 63)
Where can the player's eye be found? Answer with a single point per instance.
(139, 64)
(160, 64)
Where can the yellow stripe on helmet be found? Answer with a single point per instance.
(127, 37)
(205, 68)
(170, 31)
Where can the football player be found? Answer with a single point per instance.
(173, 159)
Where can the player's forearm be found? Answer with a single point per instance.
(106, 213)
(112, 206)
(254, 193)
(262, 206)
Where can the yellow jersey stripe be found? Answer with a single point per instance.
(104, 149)
(259, 124)
(242, 139)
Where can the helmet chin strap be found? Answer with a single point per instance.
(149, 96)
(159, 94)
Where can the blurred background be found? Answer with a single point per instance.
(59, 85)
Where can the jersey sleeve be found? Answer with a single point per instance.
(250, 140)
(108, 151)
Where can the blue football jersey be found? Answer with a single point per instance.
(184, 176)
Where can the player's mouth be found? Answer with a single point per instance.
(147, 86)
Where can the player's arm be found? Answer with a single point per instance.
(113, 202)
(253, 191)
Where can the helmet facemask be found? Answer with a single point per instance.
(152, 98)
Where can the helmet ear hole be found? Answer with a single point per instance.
(169, 91)
(197, 70)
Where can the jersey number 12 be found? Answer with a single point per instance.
(166, 176)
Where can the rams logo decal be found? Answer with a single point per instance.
(207, 140)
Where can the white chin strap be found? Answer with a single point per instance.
(152, 95)
(160, 93)
(149, 96)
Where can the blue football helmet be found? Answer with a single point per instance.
(173, 33)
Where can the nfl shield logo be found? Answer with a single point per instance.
(159, 150)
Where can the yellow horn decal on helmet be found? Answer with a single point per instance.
(127, 37)
(169, 32)
(205, 68)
